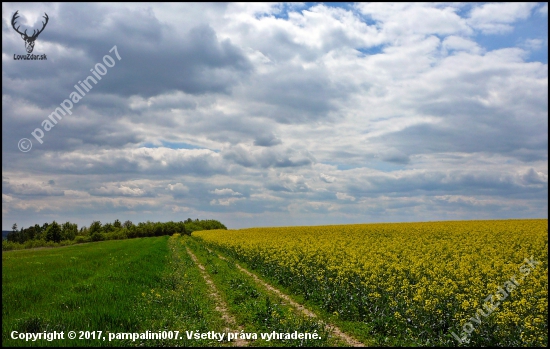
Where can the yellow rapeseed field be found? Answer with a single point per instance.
(425, 281)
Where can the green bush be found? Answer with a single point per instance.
(81, 239)
(96, 236)
(10, 245)
(66, 242)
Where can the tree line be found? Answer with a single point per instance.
(54, 234)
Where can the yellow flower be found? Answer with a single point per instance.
(429, 271)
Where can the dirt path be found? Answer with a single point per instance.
(348, 339)
(221, 307)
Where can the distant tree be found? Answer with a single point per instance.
(95, 231)
(108, 228)
(68, 231)
(181, 228)
(170, 228)
(95, 227)
(84, 231)
(131, 230)
(146, 229)
(158, 229)
(39, 232)
(53, 232)
(43, 229)
(34, 232)
(29, 234)
(23, 234)
(12, 236)
(128, 224)
(96, 236)
(117, 224)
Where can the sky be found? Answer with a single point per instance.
(273, 114)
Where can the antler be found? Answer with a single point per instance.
(43, 26)
(34, 33)
(15, 16)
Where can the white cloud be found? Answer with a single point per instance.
(344, 196)
(458, 43)
(327, 178)
(225, 202)
(533, 44)
(177, 209)
(399, 20)
(178, 188)
(496, 18)
(119, 190)
(225, 191)
(76, 193)
(543, 9)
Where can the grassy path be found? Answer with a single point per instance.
(256, 309)
(301, 308)
(221, 306)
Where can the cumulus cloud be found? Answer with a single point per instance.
(458, 43)
(118, 190)
(535, 177)
(178, 189)
(533, 44)
(327, 178)
(225, 202)
(225, 191)
(344, 196)
(496, 18)
(6, 198)
(289, 182)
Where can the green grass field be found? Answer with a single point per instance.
(118, 286)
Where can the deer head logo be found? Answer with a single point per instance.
(29, 40)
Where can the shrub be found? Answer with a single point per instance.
(81, 239)
(96, 236)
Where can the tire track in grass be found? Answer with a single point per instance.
(221, 307)
(334, 329)
(259, 310)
